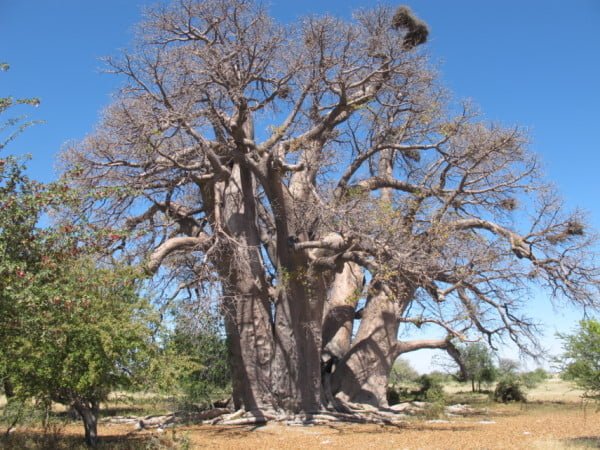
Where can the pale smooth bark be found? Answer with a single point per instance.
(362, 374)
(338, 318)
(246, 305)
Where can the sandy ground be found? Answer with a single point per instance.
(535, 427)
(557, 426)
(561, 422)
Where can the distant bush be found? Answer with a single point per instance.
(402, 372)
(510, 389)
(533, 378)
(209, 378)
(427, 388)
(431, 389)
(442, 377)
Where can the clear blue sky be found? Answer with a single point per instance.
(534, 63)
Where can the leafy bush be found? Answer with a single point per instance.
(533, 378)
(393, 396)
(581, 356)
(431, 389)
(399, 394)
(211, 376)
(509, 389)
(402, 372)
(442, 377)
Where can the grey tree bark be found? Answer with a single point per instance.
(88, 411)
(246, 302)
(362, 374)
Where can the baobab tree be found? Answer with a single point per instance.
(316, 173)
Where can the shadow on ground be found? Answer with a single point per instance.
(34, 440)
(584, 442)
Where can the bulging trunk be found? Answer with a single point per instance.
(298, 340)
(248, 327)
(246, 304)
(362, 375)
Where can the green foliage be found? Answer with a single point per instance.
(431, 389)
(478, 364)
(402, 372)
(207, 349)
(534, 378)
(11, 127)
(441, 377)
(581, 358)
(81, 332)
(21, 248)
(192, 365)
(510, 389)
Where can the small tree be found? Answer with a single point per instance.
(581, 357)
(81, 331)
(209, 376)
(478, 365)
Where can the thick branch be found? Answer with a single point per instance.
(173, 245)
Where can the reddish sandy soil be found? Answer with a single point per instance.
(505, 427)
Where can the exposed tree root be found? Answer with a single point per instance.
(357, 413)
(163, 421)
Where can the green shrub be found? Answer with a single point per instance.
(580, 358)
(508, 390)
(533, 378)
(431, 389)
(402, 372)
(393, 396)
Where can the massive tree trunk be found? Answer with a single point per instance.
(89, 415)
(246, 303)
(362, 375)
(302, 290)
(298, 319)
(248, 327)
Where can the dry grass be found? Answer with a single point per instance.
(555, 390)
(554, 420)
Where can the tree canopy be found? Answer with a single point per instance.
(477, 364)
(312, 173)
